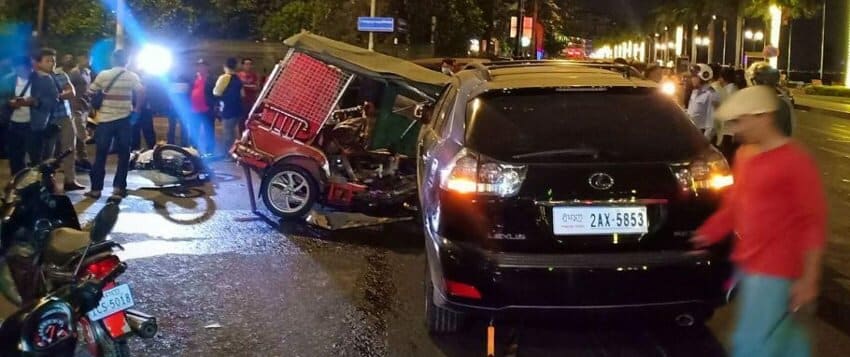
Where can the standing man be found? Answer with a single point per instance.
(179, 90)
(80, 107)
(143, 127)
(114, 122)
(228, 88)
(251, 89)
(703, 99)
(43, 120)
(66, 140)
(725, 136)
(778, 210)
(203, 102)
(16, 96)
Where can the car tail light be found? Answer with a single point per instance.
(457, 289)
(103, 267)
(474, 173)
(709, 172)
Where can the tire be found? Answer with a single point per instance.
(278, 178)
(440, 320)
(114, 348)
(186, 172)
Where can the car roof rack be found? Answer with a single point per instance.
(481, 69)
(625, 69)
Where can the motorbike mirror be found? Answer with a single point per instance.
(423, 112)
(104, 222)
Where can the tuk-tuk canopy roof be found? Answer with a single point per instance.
(368, 63)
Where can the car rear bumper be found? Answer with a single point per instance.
(529, 283)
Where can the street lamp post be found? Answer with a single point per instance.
(725, 40)
(119, 24)
(711, 36)
(40, 21)
(371, 34)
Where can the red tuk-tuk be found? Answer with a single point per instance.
(334, 130)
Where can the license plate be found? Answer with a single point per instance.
(117, 299)
(599, 220)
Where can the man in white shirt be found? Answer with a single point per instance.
(17, 99)
(703, 99)
(120, 88)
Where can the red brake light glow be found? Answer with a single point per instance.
(462, 290)
(102, 267)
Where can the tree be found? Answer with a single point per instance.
(457, 22)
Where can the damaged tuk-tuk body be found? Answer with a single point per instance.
(333, 131)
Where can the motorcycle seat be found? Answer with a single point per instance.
(63, 244)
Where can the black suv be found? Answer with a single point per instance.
(555, 186)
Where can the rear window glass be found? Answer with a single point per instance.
(618, 124)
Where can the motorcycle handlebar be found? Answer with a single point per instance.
(52, 164)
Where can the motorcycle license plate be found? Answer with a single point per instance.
(114, 300)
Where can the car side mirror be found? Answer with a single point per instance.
(423, 112)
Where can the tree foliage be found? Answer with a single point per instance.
(457, 21)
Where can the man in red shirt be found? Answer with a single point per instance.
(250, 88)
(202, 132)
(777, 210)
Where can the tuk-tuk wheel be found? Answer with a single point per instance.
(289, 191)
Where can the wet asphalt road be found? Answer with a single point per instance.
(225, 282)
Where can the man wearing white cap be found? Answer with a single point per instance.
(777, 210)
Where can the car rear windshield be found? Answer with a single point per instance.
(581, 125)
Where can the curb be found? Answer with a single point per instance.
(840, 114)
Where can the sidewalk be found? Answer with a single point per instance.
(836, 106)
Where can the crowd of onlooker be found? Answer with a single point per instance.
(48, 109)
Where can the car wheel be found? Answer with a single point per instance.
(289, 191)
(440, 320)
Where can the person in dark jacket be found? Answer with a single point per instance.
(228, 90)
(15, 102)
(46, 92)
(144, 127)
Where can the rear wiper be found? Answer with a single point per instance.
(563, 152)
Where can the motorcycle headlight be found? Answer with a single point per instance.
(49, 329)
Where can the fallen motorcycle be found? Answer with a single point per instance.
(171, 168)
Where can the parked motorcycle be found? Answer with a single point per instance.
(69, 321)
(46, 252)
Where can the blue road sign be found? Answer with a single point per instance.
(375, 24)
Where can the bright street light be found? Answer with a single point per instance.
(671, 45)
(748, 34)
(758, 36)
(154, 59)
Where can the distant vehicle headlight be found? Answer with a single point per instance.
(668, 88)
(155, 59)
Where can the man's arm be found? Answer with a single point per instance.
(221, 85)
(97, 84)
(139, 92)
(68, 91)
(808, 193)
